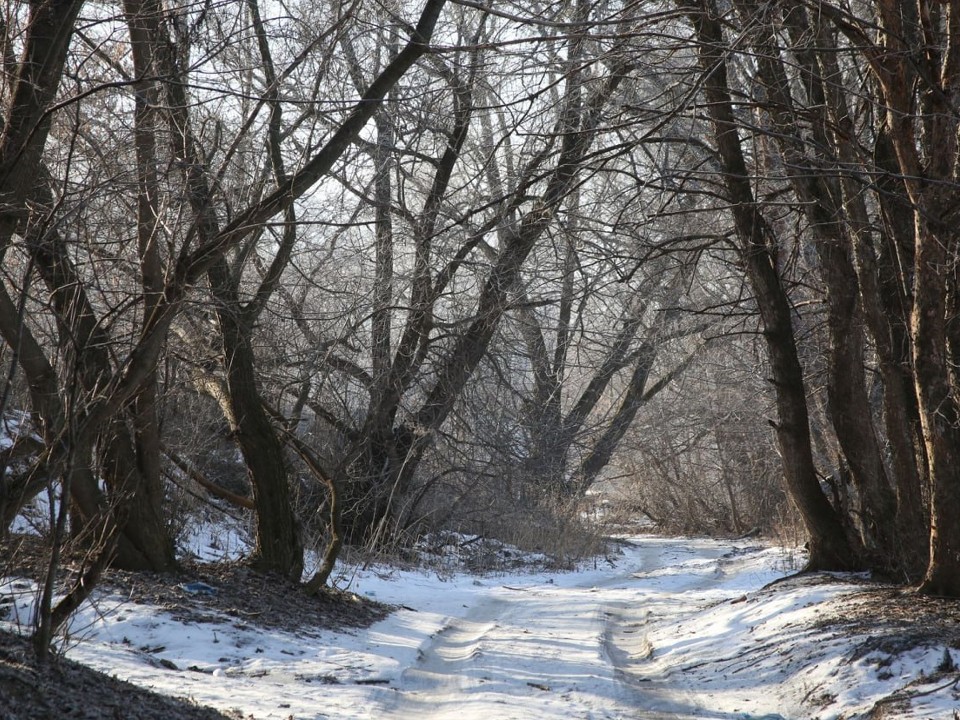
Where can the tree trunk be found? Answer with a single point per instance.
(602, 451)
(829, 547)
(381, 465)
(938, 404)
(813, 175)
(132, 472)
(887, 299)
(924, 141)
(27, 120)
(278, 546)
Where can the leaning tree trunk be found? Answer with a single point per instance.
(886, 294)
(830, 549)
(829, 546)
(810, 168)
(383, 463)
(278, 547)
(129, 466)
(27, 121)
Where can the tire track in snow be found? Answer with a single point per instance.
(460, 670)
(452, 658)
(572, 651)
(626, 629)
(625, 644)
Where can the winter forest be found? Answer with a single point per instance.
(361, 271)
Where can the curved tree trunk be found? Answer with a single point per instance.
(382, 463)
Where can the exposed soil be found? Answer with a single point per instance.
(234, 589)
(65, 690)
(891, 620)
(887, 617)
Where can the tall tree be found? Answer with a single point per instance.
(98, 404)
(830, 547)
(813, 177)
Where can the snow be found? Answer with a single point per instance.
(12, 426)
(225, 539)
(668, 628)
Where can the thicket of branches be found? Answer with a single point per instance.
(431, 265)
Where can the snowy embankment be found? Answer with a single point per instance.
(668, 628)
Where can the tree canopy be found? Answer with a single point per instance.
(413, 265)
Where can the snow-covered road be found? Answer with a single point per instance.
(665, 629)
(564, 647)
(524, 645)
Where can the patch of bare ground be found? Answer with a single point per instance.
(63, 690)
(892, 619)
(889, 621)
(206, 592)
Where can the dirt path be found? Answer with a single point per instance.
(530, 647)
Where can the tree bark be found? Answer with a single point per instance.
(130, 467)
(929, 179)
(27, 121)
(936, 251)
(813, 175)
(829, 547)
(278, 546)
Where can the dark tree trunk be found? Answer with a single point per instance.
(829, 546)
(131, 471)
(278, 546)
(373, 478)
(602, 451)
(813, 173)
(27, 120)
(382, 462)
(887, 299)
(919, 95)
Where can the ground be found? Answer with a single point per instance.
(664, 629)
(62, 689)
(65, 690)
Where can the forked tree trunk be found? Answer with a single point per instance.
(25, 129)
(381, 464)
(278, 547)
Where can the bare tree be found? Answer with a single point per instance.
(449, 247)
(830, 547)
(119, 273)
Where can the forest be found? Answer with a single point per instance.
(361, 271)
